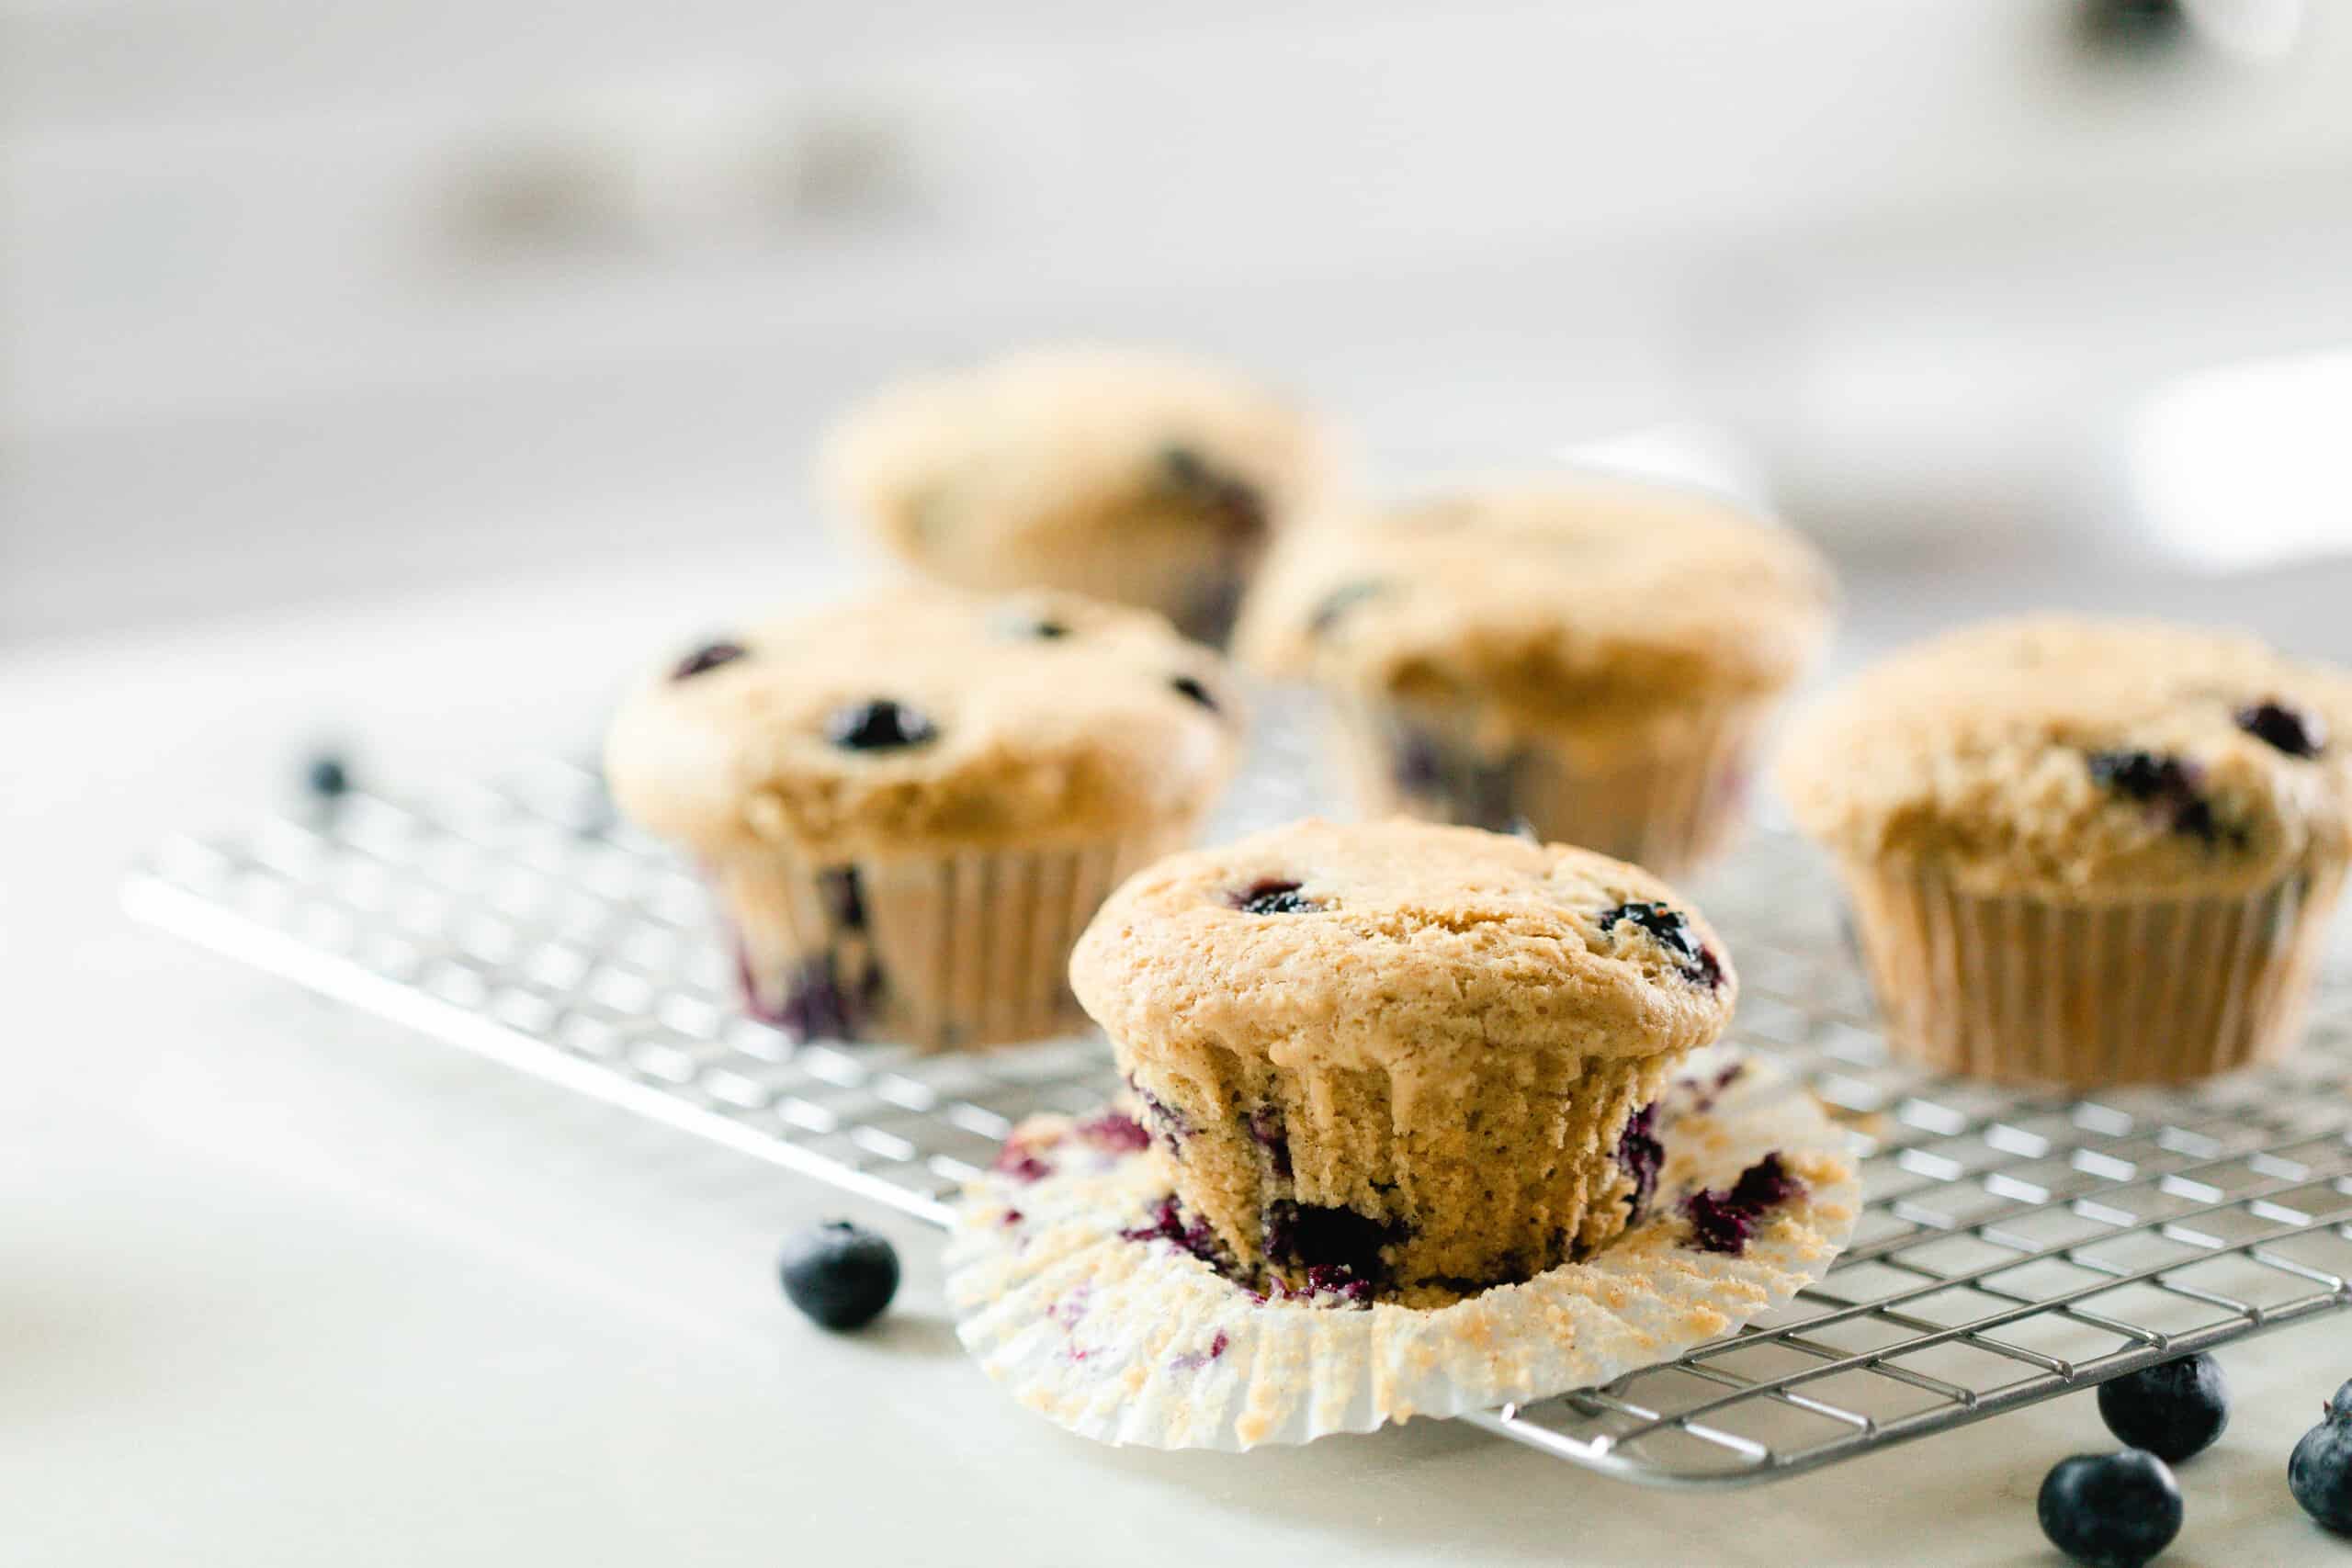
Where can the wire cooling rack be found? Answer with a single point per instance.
(2013, 1246)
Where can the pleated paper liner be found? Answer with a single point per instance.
(2151, 990)
(942, 952)
(1668, 807)
(1128, 1340)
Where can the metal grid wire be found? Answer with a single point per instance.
(2013, 1246)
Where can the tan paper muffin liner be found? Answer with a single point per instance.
(1183, 570)
(1135, 1341)
(1668, 806)
(2023, 989)
(1386, 1147)
(940, 952)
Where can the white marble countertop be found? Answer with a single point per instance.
(283, 1285)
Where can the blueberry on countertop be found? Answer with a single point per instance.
(881, 725)
(2319, 1473)
(2112, 1510)
(840, 1275)
(327, 776)
(2173, 1409)
(2290, 730)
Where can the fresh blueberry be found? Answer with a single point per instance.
(881, 725)
(841, 1275)
(1187, 686)
(2112, 1510)
(1671, 931)
(1275, 898)
(709, 656)
(2173, 1409)
(2291, 729)
(327, 776)
(2319, 1473)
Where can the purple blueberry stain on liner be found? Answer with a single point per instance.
(1194, 1361)
(2283, 728)
(1122, 1135)
(1725, 1220)
(1194, 1237)
(1020, 1162)
(709, 656)
(1705, 1093)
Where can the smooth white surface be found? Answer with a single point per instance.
(279, 1285)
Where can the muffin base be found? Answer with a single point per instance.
(1667, 807)
(1459, 1181)
(943, 953)
(1123, 1338)
(2020, 989)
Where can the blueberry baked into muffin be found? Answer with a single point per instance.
(2085, 852)
(1591, 656)
(1399, 1060)
(1136, 476)
(910, 805)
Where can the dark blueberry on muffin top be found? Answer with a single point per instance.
(2166, 783)
(1275, 898)
(709, 656)
(880, 724)
(2290, 730)
(1671, 931)
(1189, 687)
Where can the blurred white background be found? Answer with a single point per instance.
(309, 301)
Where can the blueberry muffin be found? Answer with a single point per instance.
(910, 805)
(2084, 851)
(1400, 1058)
(1139, 478)
(1592, 658)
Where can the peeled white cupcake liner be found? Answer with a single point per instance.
(1126, 1340)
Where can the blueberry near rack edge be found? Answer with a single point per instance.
(839, 1274)
(2174, 1409)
